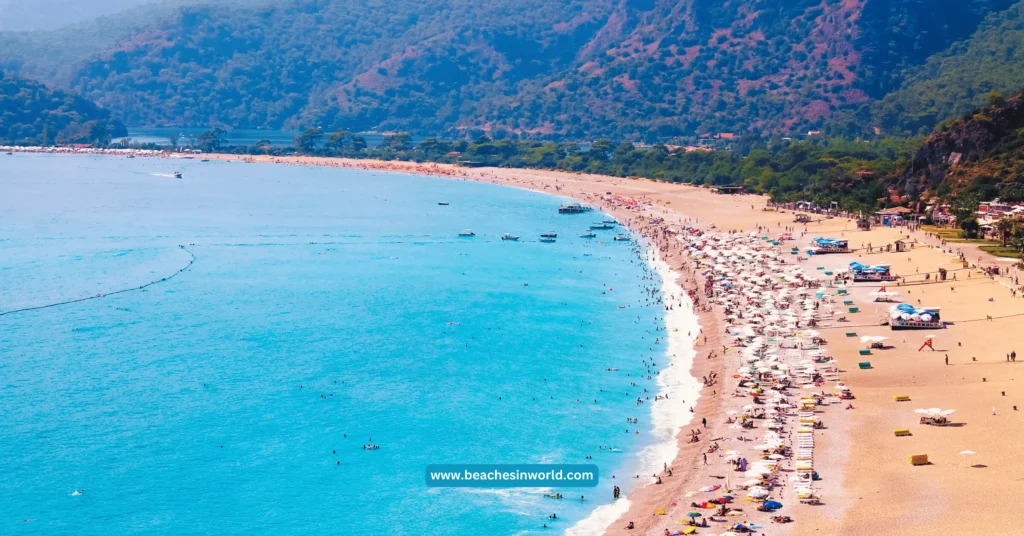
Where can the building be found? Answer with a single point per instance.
(892, 217)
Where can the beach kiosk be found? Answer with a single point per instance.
(905, 316)
(863, 273)
(823, 246)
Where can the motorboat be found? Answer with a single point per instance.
(549, 234)
(573, 208)
(508, 236)
(443, 203)
(177, 174)
(602, 225)
(622, 239)
(588, 234)
(467, 233)
(547, 239)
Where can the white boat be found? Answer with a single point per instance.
(177, 174)
(588, 234)
(467, 232)
(602, 225)
(574, 208)
(508, 236)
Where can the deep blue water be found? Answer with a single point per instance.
(322, 302)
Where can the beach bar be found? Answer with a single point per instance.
(905, 316)
(863, 273)
(823, 246)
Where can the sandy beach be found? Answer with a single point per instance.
(867, 484)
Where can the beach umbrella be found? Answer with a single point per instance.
(758, 493)
(706, 489)
(772, 505)
(694, 514)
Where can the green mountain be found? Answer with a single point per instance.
(629, 69)
(959, 78)
(980, 155)
(32, 114)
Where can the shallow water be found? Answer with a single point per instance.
(322, 302)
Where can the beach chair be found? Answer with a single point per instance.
(864, 365)
(864, 352)
(919, 459)
(901, 432)
(854, 309)
(851, 333)
(901, 398)
(847, 302)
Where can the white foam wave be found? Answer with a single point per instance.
(668, 416)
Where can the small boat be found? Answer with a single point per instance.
(131, 156)
(508, 236)
(549, 234)
(588, 234)
(443, 203)
(610, 222)
(622, 239)
(467, 232)
(205, 160)
(547, 240)
(177, 174)
(10, 153)
(601, 225)
(573, 208)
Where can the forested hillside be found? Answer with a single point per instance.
(32, 114)
(642, 70)
(958, 79)
(979, 154)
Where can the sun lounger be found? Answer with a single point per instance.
(851, 334)
(919, 459)
(901, 432)
(901, 398)
(864, 364)
(864, 351)
(848, 302)
(854, 310)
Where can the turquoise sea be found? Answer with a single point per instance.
(324, 308)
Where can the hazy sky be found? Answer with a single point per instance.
(50, 14)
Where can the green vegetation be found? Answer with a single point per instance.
(960, 78)
(639, 70)
(32, 114)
